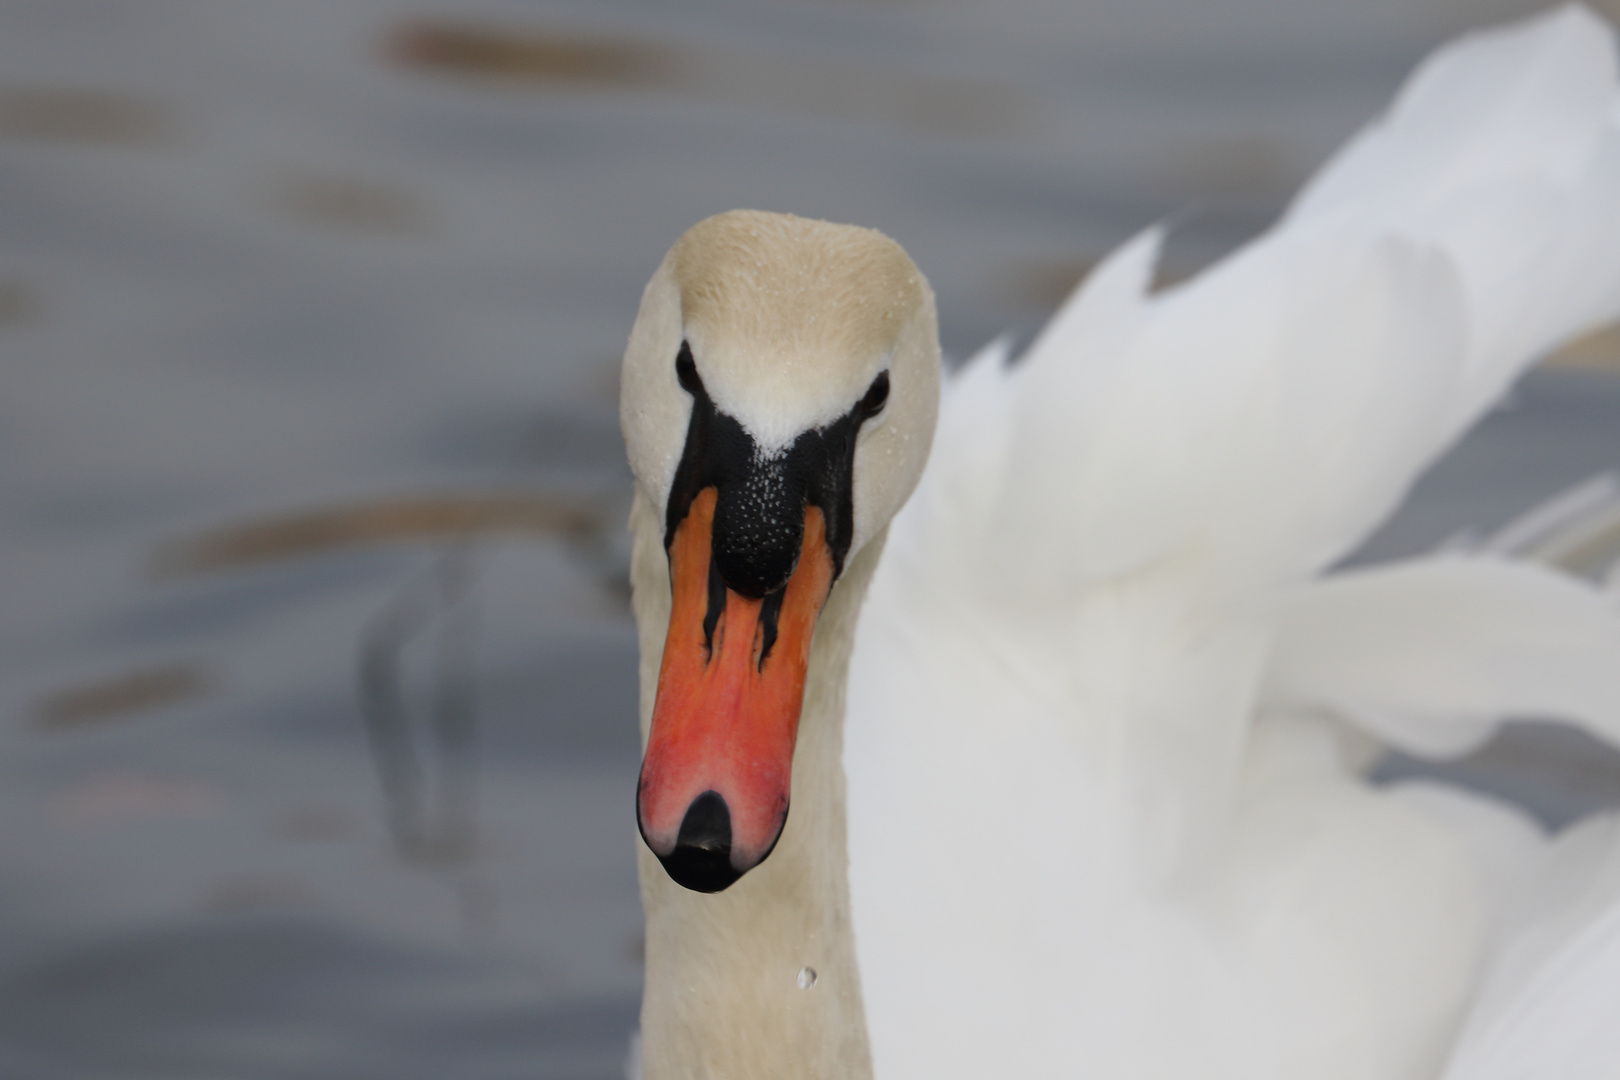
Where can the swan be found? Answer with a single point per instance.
(1067, 701)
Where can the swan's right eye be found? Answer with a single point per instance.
(686, 370)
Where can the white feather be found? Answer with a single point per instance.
(1098, 823)
(1431, 655)
(1546, 1006)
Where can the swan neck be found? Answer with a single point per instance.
(729, 986)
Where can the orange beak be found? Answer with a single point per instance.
(715, 780)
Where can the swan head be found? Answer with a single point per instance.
(779, 390)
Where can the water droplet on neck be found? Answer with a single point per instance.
(807, 978)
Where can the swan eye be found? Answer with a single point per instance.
(876, 396)
(686, 371)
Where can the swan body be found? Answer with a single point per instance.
(1077, 789)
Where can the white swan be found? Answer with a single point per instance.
(1104, 711)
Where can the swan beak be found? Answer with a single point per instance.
(714, 784)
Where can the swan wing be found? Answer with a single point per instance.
(1502, 150)
(1066, 643)
(1430, 655)
(1546, 1004)
(1278, 406)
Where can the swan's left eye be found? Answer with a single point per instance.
(876, 396)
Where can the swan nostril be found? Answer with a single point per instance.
(701, 858)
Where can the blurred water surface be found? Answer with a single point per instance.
(311, 314)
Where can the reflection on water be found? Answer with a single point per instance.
(18, 303)
(528, 56)
(321, 682)
(826, 87)
(145, 688)
(67, 114)
(433, 517)
(275, 999)
(1598, 351)
(348, 202)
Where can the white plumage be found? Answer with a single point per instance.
(1108, 707)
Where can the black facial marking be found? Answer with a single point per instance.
(717, 604)
(769, 612)
(759, 512)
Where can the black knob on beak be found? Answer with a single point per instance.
(701, 858)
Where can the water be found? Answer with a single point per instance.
(293, 295)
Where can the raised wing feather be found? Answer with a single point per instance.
(1431, 654)
(1281, 403)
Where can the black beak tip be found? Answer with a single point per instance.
(700, 870)
(701, 858)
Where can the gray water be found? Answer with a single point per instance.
(259, 260)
